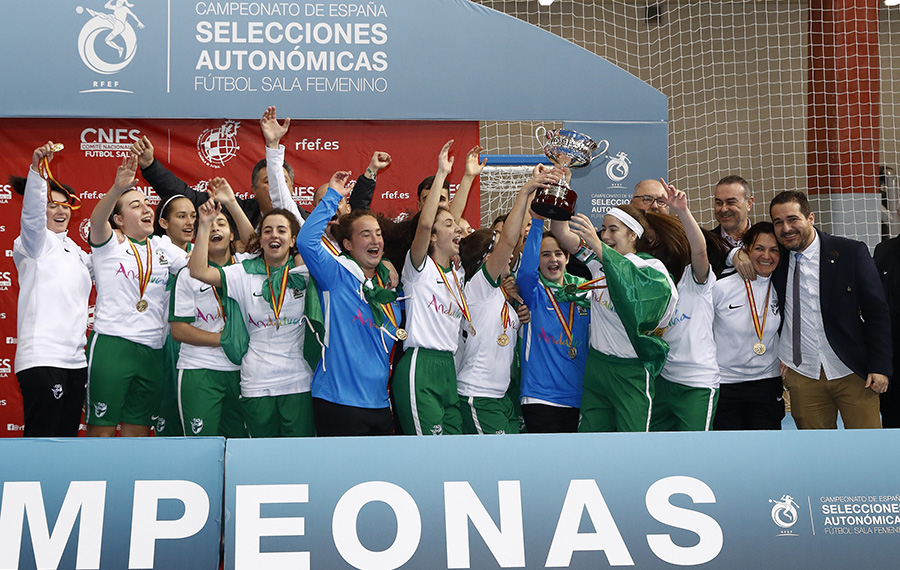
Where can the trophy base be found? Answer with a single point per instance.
(553, 205)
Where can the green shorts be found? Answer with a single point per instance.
(289, 415)
(683, 408)
(618, 394)
(488, 415)
(424, 388)
(124, 381)
(210, 402)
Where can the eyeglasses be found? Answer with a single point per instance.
(647, 199)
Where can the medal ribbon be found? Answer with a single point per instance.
(143, 274)
(753, 311)
(278, 303)
(334, 251)
(566, 325)
(44, 171)
(592, 284)
(461, 301)
(386, 307)
(504, 312)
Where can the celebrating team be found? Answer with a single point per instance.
(250, 320)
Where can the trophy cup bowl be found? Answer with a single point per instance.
(569, 149)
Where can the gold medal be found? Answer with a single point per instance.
(503, 339)
(471, 329)
(56, 147)
(402, 334)
(759, 348)
(141, 306)
(573, 352)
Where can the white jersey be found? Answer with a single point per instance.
(485, 369)
(274, 363)
(607, 331)
(118, 288)
(54, 285)
(279, 193)
(432, 313)
(692, 357)
(736, 335)
(196, 303)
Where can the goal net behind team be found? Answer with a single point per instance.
(736, 74)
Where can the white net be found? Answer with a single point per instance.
(499, 185)
(737, 74)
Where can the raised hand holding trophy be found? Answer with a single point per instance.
(564, 148)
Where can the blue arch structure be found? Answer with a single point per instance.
(393, 59)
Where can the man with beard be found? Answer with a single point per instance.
(836, 330)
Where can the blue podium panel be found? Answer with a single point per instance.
(111, 503)
(713, 500)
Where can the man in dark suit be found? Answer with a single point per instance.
(836, 330)
(887, 260)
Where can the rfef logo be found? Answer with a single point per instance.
(218, 146)
(107, 42)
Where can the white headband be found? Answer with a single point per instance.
(626, 219)
(166, 203)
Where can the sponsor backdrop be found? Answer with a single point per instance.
(390, 60)
(197, 150)
(796, 499)
(387, 59)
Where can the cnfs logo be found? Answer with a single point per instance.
(107, 42)
(784, 514)
(218, 146)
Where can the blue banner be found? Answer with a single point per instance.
(820, 500)
(636, 151)
(111, 503)
(316, 59)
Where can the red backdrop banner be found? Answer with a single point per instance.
(197, 150)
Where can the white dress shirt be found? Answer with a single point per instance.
(816, 354)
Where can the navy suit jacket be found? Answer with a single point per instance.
(854, 311)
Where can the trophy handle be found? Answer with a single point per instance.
(539, 134)
(601, 152)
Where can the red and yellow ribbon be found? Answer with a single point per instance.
(753, 311)
(566, 325)
(504, 312)
(592, 284)
(44, 170)
(461, 301)
(330, 246)
(279, 303)
(386, 307)
(143, 274)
